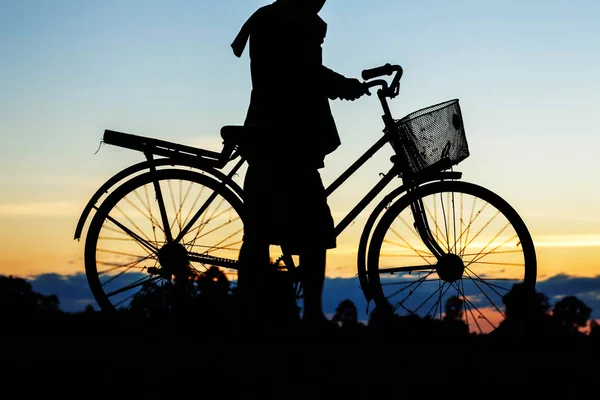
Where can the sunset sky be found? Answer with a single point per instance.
(527, 74)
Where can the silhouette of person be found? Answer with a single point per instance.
(292, 131)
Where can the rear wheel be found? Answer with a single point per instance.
(485, 249)
(134, 248)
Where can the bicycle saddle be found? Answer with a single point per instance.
(235, 133)
(234, 137)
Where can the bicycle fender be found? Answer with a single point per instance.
(133, 169)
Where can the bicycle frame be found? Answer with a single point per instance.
(211, 163)
(399, 169)
(393, 172)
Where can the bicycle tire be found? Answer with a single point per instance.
(487, 249)
(116, 260)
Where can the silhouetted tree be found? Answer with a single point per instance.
(168, 300)
(571, 314)
(214, 304)
(18, 299)
(202, 300)
(453, 323)
(212, 284)
(153, 301)
(384, 324)
(454, 309)
(594, 329)
(346, 316)
(346, 313)
(527, 312)
(523, 302)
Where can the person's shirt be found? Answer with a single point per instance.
(290, 86)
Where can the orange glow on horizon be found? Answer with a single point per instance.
(43, 243)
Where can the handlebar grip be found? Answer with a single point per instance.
(386, 69)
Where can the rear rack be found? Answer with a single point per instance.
(163, 148)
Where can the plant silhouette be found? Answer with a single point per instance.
(571, 314)
(19, 300)
(207, 303)
(528, 313)
(346, 315)
(454, 309)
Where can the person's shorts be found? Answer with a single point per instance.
(288, 207)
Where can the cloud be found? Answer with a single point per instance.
(39, 209)
(74, 293)
(585, 289)
(53, 180)
(337, 290)
(573, 240)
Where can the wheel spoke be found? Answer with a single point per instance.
(441, 291)
(116, 266)
(123, 269)
(138, 239)
(394, 270)
(134, 285)
(483, 251)
(433, 294)
(438, 234)
(472, 217)
(217, 228)
(197, 214)
(492, 302)
(482, 228)
(194, 204)
(411, 287)
(154, 222)
(145, 213)
(489, 282)
(481, 315)
(145, 246)
(445, 210)
(409, 246)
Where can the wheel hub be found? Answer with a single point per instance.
(173, 258)
(450, 267)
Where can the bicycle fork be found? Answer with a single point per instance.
(422, 227)
(449, 266)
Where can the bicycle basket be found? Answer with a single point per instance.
(433, 138)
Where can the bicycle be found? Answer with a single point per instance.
(434, 246)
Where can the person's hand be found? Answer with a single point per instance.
(353, 89)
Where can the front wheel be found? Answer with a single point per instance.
(483, 248)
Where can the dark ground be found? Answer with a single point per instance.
(100, 359)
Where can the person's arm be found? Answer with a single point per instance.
(336, 85)
(331, 82)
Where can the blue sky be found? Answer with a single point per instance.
(527, 74)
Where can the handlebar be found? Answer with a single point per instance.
(376, 72)
(386, 90)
